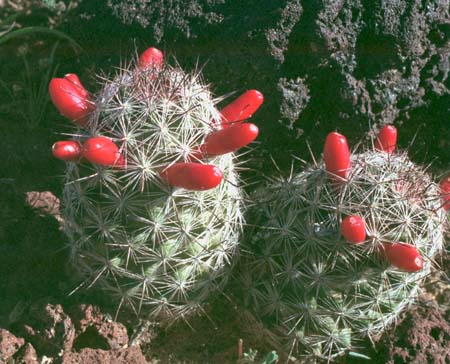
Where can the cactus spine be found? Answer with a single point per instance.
(319, 291)
(143, 217)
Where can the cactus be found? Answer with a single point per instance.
(332, 257)
(152, 217)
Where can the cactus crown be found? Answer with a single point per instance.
(157, 248)
(319, 291)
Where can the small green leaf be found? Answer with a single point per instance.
(42, 30)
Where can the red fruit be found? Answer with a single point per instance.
(230, 139)
(193, 176)
(387, 139)
(72, 77)
(445, 192)
(242, 108)
(102, 151)
(67, 150)
(151, 57)
(70, 99)
(403, 256)
(336, 155)
(353, 229)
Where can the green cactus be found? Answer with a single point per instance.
(318, 291)
(159, 249)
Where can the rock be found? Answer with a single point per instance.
(45, 202)
(9, 345)
(131, 355)
(27, 355)
(86, 336)
(86, 315)
(49, 329)
(93, 326)
(115, 334)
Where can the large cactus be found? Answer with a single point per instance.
(336, 252)
(152, 204)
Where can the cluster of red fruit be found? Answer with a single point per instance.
(337, 163)
(74, 102)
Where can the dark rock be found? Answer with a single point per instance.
(423, 336)
(163, 15)
(9, 345)
(362, 63)
(278, 36)
(131, 355)
(295, 98)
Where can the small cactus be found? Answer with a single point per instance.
(328, 263)
(151, 203)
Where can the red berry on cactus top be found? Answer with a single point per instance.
(353, 229)
(193, 176)
(229, 139)
(72, 77)
(151, 58)
(67, 150)
(403, 256)
(102, 151)
(71, 99)
(242, 108)
(387, 139)
(337, 155)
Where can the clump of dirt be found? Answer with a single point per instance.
(422, 337)
(86, 336)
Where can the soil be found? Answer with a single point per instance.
(350, 66)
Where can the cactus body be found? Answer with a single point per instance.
(157, 247)
(320, 292)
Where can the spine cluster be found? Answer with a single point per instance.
(152, 204)
(336, 252)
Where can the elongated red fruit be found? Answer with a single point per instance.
(71, 99)
(353, 229)
(102, 151)
(193, 176)
(229, 139)
(387, 139)
(444, 186)
(72, 77)
(67, 150)
(242, 108)
(336, 155)
(151, 57)
(403, 256)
